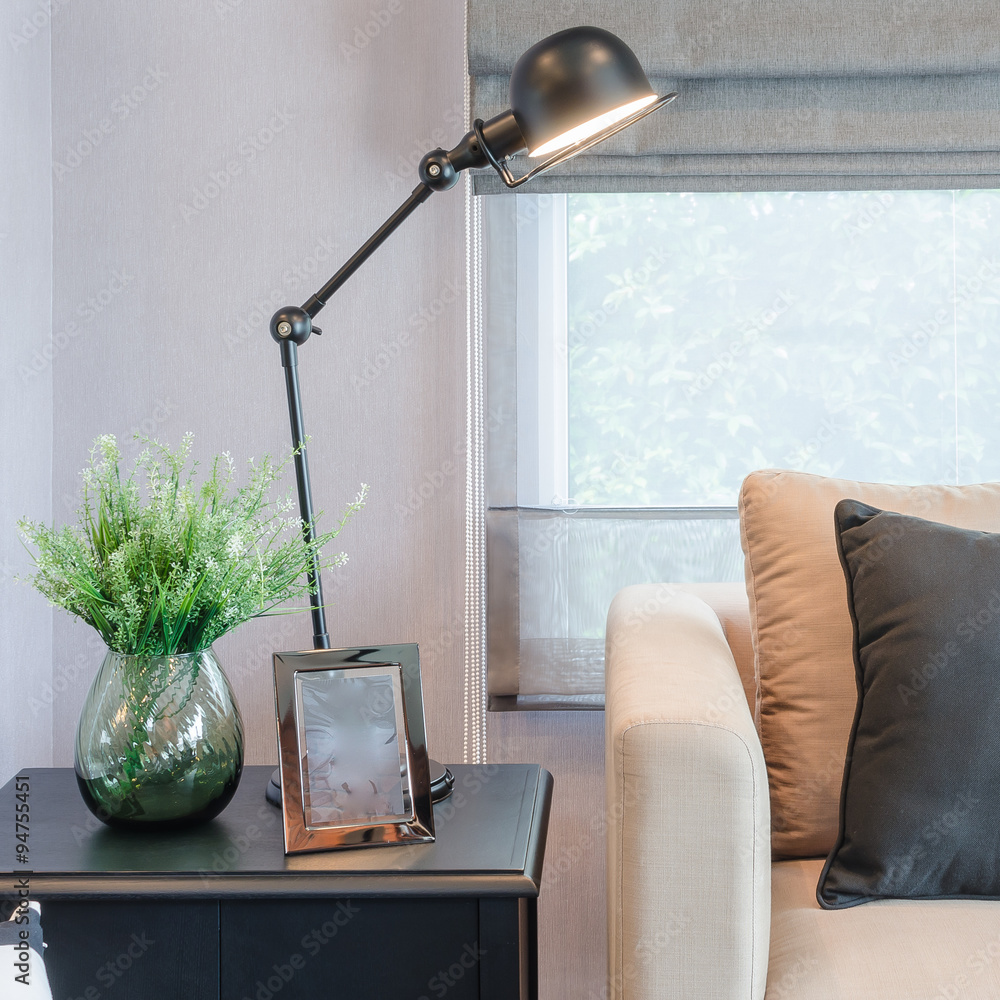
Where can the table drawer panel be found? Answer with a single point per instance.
(131, 950)
(350, 949)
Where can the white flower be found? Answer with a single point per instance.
(107, 444)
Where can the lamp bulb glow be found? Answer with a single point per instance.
(579, 133)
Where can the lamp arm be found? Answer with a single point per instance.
(292, 326)
(418, 196)
(438, 171)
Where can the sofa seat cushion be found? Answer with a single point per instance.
(886, 950)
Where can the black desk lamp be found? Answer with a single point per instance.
(567, 93)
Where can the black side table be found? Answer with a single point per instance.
(219, 911)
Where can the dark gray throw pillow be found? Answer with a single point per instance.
(920, 803)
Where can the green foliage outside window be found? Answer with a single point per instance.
(850, 333)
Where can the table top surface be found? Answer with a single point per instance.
(489, 841)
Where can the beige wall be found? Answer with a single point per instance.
(206, 155)
(26, 394)
(241, 146)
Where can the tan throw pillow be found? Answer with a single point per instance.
(802, 633)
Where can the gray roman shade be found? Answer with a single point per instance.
(775, 94)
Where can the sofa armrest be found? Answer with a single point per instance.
(689, 857)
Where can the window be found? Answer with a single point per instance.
(660, 346)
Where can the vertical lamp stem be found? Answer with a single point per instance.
(290, 362)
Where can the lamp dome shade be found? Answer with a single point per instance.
(573, 84)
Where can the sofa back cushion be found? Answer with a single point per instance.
(802, 634)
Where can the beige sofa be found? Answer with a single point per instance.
(697, 909)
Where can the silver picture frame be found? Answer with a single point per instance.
(352, 748)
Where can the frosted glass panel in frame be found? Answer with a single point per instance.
(571, 566)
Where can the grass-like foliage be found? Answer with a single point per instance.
(159, 565)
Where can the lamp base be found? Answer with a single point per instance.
(442, 782)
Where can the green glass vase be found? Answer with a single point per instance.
(159, 741)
